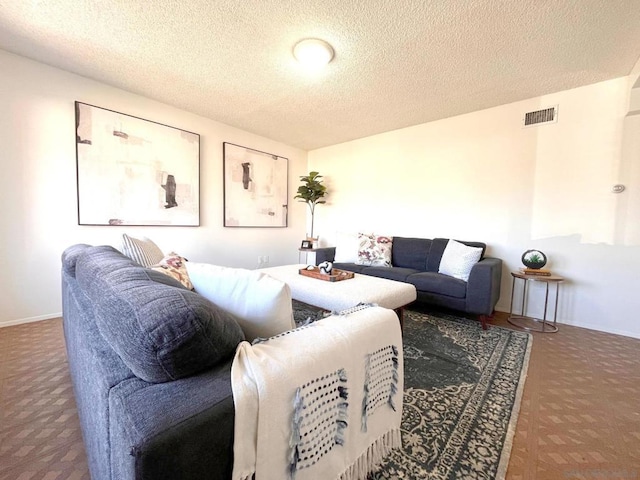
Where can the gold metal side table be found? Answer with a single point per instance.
(526, 322)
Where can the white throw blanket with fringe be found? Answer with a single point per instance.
(322, 401)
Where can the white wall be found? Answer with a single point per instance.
(484, 177)
(478, 177)
(39, 206)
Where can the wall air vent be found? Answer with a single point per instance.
(540, 117)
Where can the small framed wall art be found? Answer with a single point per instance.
(306, 245)
(132, 171)
(255, 187)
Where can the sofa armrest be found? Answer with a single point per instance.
(325, 254)
(483, 287)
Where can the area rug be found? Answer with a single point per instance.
(463, 387)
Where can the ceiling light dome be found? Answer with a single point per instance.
(313, 52)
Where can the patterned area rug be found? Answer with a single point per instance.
(462, 394)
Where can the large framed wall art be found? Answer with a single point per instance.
(132, 171)
(255, 188)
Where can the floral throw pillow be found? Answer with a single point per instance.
(174, 266)
(374, 250)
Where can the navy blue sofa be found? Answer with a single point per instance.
(150, 363)
(416, 261)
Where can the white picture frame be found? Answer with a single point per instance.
(255, 188)
(132, 171)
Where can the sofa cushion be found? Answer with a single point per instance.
(374, 250)
(390, 273)
(173, 430)
(410, 252)
(70, 256)
(260, 304)
(437, 249)
(350, 267)
(458, 260)
(438, 283)
(161, 332)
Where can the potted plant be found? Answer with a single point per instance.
(312, 192)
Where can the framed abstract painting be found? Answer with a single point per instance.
(255, 188)
(132, 171)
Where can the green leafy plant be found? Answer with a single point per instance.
(534, 258)
(312, 192)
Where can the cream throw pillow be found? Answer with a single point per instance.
(260, 304)
(141, 250)
(458, 259)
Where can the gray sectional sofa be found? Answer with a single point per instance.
(151, 366)
(154, 394)
(417, 260)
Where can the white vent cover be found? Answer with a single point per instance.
(540, 117)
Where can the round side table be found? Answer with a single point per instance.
(531, 323)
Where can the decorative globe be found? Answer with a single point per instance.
(534, 259)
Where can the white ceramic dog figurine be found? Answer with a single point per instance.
(326, 267)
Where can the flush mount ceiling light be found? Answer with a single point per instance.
(313, 52)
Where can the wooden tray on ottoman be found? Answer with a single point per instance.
(335, 276)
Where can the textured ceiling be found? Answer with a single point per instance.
(398, 62)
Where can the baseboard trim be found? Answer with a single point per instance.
(20, 321)
(588, 326)
(599, 328)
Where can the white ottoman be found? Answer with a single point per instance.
(336, 296)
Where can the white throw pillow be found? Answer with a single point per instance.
(458, 259)
(141, 250)
(260, 303)
(346, 247)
